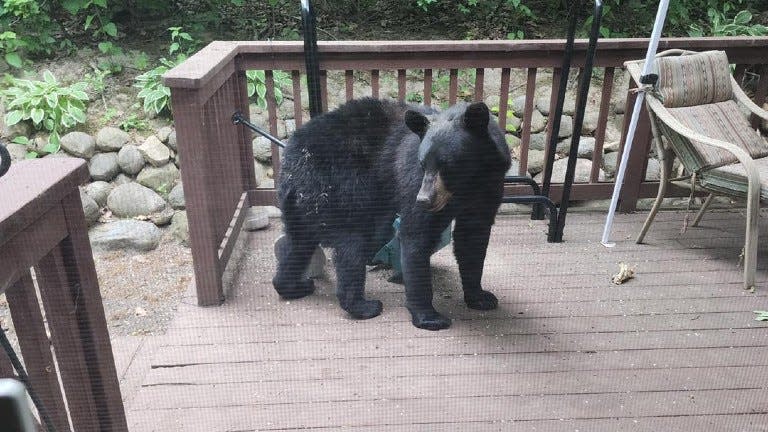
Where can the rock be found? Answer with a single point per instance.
(316, 266)
(262, 149)
(590, 123)
(126, 234)
(130, 160)
(273, 212)
(160, 179)
(260, 172)
(569, 105)
(99, 191)
(535, 161)
(290, 127)
(164, 134)
(610, 160)
(538, 122)
(172, 141)
(542, 104)
(267, 184)
(103, 166)
(586, 147)
(513, 123)
(163, 217)
(612, 146)
(79, 144)
(90, 208)
(653, 170)
(538, 141)
(176, 197)
(111, 139)
(514, 168)
(566, 127)
(58, 154)
(583, 170)
(39, 144)
(155, 152)
(518, 106)
(121, 179)
(180, 227)
(513, 141)
(256, 218)
(17, 151)
(133, 199)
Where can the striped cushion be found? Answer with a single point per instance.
(731, 179)
(722, 121)
(694, 79)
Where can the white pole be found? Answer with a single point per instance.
(661, 15)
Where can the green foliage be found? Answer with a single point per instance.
(761, 316)
(26, 28)
(155, 96)
(722, 26)
(133, 122)
(257, 86)
(49, 105)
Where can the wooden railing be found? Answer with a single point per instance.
(217, 160)
(42, 226)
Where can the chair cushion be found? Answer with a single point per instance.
(723, 121)
(695, 79)
(732, 180)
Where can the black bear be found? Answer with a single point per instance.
(348, 173)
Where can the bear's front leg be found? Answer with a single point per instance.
(470, 242)
(415, 253)
(350, 262)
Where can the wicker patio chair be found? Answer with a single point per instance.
(700, 115)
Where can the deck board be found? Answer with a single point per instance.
(675, 348)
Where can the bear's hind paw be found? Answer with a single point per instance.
(365, 309)
(294, 291)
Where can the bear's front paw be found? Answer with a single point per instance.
(482, 300)
(365, 309)
(430, 320)
(291, 291)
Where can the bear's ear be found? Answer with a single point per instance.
(416, 122)
(476, 117)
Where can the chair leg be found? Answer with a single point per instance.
(750, 243)
(666, 168)
(703, 208)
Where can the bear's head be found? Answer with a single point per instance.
(458, 144)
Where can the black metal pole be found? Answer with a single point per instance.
(578, 121)
(562, 88)
(311, 58)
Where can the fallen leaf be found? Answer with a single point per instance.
(761, 315)
(625, 273)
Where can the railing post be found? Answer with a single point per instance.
(638, 159)
(195, 149)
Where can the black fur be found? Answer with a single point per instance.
(347, 173)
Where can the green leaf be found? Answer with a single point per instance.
(13, 59)
(21, 139)
(52, 100)
(49, 78)
(110, 28)
(81, 95)
(100, 3)
(261, 90)
(105, 47)
(88, 21)
(761, 315)
(13, 117)
(251, 89)
(31, 155)
(71, 6)
(51, 147)
(743, 17)
(37, 115)
(173, 48)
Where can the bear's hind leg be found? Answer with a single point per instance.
(293, 260)
(350, 259)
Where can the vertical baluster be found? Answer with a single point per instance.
(503, 98)
(479, 82)
(269, 82)
(323, 89)
(427, 86)
(349, 84)
(298, 113)
(602, 122)
(375, 83)
(453, 86)
(530, 93)
(401, 85)
(557, 75)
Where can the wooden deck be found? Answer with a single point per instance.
(675, 349)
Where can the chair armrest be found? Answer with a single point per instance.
(753, 176)
(742, 98)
